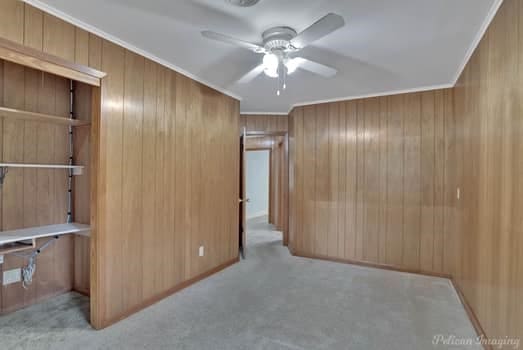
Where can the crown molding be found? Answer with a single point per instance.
(70, 19)
(91, 29)
(381, 94)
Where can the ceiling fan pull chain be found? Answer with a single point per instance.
(284, 77)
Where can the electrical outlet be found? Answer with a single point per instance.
(1, 259)
(12, 276)
(201, 251)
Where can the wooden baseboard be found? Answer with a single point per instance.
(470, 313)
(83, 292)
(167, 293)
(468, 309)
(371, 265)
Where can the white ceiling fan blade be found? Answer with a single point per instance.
(247, 78)
(321, 28)
(315, 67)
(229, 40)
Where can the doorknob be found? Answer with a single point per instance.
(244, 200)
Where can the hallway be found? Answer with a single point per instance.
(271, 300)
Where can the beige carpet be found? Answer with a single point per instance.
(271, 300)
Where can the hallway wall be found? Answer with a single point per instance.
(168, 168)
(257, 183)
(279, 193)
(264, 122)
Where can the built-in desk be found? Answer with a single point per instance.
(23, 239)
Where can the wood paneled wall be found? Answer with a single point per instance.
(31, 197)
(167, 168)
(279, 192)
(264, 123)
(369, 181)
(489, 246)
(377, 180)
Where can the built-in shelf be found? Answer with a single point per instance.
(10, 248)
(39, 117)
(77, 169)
(10, 239)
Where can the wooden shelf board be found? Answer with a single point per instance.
(16, 247)
(8, 237)
(42, 166)
(26, 56)
(39, 117)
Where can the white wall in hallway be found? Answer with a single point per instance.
(257, 183)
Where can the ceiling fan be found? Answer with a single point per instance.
(279, 46)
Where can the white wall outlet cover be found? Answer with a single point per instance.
(1, 259)
(201, 251)
(12, 276)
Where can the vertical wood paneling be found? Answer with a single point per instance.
(383, 180)
(33, 27)
(132, 179)
(395, 168)
(150, 245)
(351, 137)
(58, 38)
(111, 130)
(299, 188)
(370, 158)
(11, 25)
(411, 181)
(366, 171)
(183, 177)
(332, 191)
(309, 179)
(321, 181)
(486, 228)
(428, 170)
(82, 152)
(81, 53)
(341, 177)
(152, 163)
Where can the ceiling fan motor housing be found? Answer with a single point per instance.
(279, 38)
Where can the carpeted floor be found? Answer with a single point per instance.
(271, 300)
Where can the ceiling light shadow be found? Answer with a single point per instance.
(350, 67)
(188, 12)
(228, 69)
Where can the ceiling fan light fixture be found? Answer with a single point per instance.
(271, 63)
(292, 64)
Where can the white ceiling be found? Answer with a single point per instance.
(387, 46)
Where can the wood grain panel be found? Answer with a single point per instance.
(11, 25)
(369, 183)
(264, 123)
(132, 161)
(487, 242)
(33, 197)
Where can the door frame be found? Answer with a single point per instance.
(285, 188)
